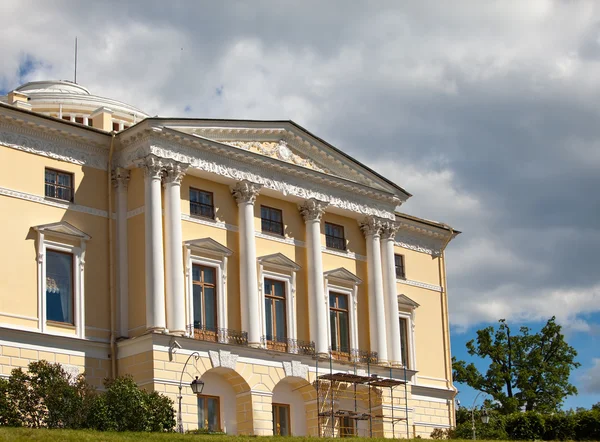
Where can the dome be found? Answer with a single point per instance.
(53, 87)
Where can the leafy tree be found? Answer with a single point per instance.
(526, 369)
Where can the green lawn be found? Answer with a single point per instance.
(26, 434)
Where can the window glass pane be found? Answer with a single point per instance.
(344, 332)
(213, 414)
(280, 333)
(269, 319)
(332, 298)
(264, 212)
(50, 176)
(209, 275)
(194, 195)
(343, 302)
(196, 273)
(59, 287)
(268, 287)
(279, 289)
(404, 340)
(202, 415)
(283, 424)
(210, 307)
(64, 179)
(333, 323)
(197, 299)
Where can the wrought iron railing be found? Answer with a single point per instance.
(220, 335)
(287, 345)
(354, 355)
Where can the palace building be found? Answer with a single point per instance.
(251, 254)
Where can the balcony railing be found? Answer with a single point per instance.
(354, 355)
(220, 335)
(286, 345)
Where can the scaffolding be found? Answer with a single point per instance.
(354, 402)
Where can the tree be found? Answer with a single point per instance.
(530, 370)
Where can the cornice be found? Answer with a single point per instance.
(38, 139)
(240, 165)
(423, 285)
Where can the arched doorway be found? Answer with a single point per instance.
(292, 411)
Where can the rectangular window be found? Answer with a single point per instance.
(334, 236)
(271, 220)
(340, 324)
(115, 126)
(58, 184)
(281, 420)
(204, 293)
(202, 203)
(209, 416)
(404, 341)
(399, 262)
(59, 287)
(79, 120)
(275, 315)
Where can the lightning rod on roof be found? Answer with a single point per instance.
(75, 79)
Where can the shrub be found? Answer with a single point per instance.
(525, 426)
(559, 426)
(9, 414)
(587, 425)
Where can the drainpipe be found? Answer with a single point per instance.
(445, 319)
(111, 268)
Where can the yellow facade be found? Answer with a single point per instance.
(110, 326)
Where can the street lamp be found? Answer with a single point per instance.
(196, 385)
(485, 417)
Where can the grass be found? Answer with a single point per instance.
(28, 434)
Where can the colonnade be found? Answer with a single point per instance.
(165, 303)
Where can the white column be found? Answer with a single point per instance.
(174, 249)
(388, 236)
(155, 278)
(245, 194)
(120, 179)
(312, 211)
(371, 228)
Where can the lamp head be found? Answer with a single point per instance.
(197, 386)
(485, 417)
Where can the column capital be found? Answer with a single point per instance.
(120, 178)
(388, 230)
(312, 209)
(370, 226)
(174, 172)
(245, 192)
(153, 167)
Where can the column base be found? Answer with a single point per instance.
(177, 332)
(157, 330)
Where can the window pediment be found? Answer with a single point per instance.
(342, 275)
(404, 302)
(208, 246)
(63, 229)
(279, 260)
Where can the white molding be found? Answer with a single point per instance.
(430, 425)
(209, 222)
(351, 292)
(423, 285)
(282, 240)
(412, 352)
(62, 149)
(136, 212)
(52, 202)
(346, 254)
(290, 298)
(418, 397)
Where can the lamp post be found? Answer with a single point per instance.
(485, 418)
(196, 385)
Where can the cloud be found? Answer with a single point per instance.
(590, 380)
(484, 112)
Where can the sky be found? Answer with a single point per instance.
(486, 111)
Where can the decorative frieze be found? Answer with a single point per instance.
(312, 210)
(245, 192)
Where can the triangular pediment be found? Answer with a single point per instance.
(287, 142)
(405, 301)
(63, 228)
(279, 260)
(208, 246)
(342, 275)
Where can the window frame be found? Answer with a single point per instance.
(402, 266)
(338, 310)
(204, 333)
(192, 203)
(330, 240)
(277, 406)
(410, 338)
(55, 185)
(270, 222)
(73, 270)
(205, 397)
(275, 344)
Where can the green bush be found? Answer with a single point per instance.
(587, 425)
(525, 426)
(559, 426)
(46, 396)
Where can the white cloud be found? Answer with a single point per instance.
(591, 378)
